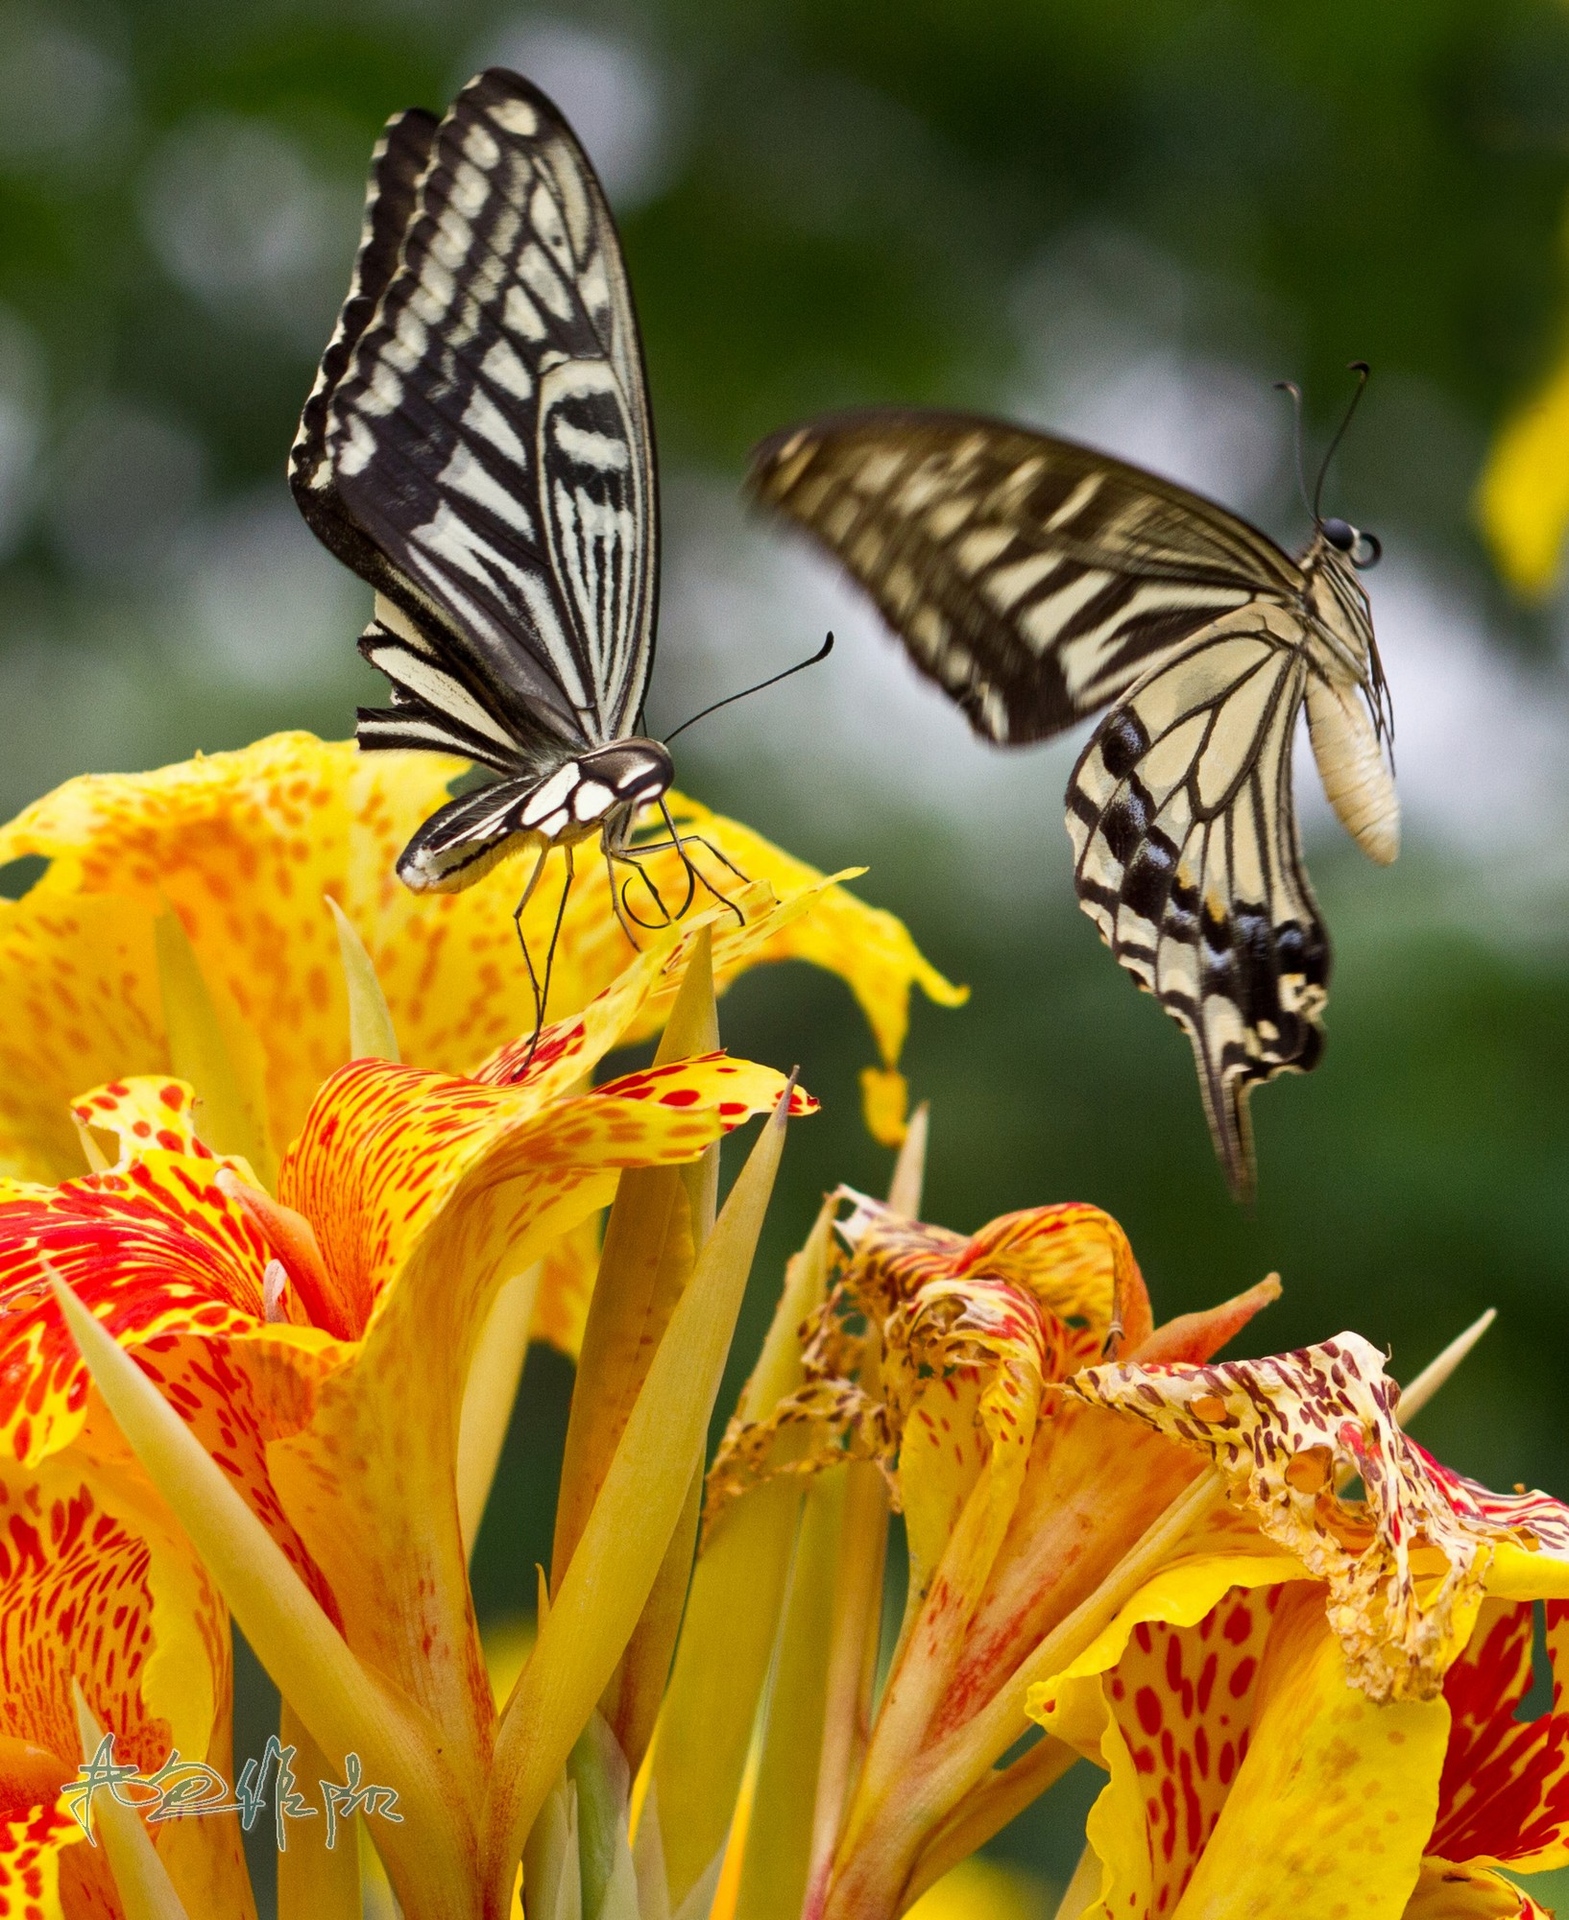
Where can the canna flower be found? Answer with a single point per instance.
(180, 928)
(295, 1377)
(99, 1589)
(929, 1375)
(1319, 1713)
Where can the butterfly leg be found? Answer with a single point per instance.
(666, 917)
(695, 877)
(541, 986)
(622, 919)
(540, 989)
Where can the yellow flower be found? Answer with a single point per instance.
(301, 1375)
(1317, 1713)
(181, 927)
(931, 1371)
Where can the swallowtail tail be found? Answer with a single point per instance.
(1039, 582)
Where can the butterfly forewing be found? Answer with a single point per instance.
(400, 157)
(1033, 579)
(1186, 856)
(489, 441)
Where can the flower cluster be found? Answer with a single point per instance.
(290, 1185)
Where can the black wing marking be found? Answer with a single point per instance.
(489, 440)
(1033, 579)
(401, 156)
(1188, 860)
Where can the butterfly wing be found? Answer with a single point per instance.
(1186, 856)
(1033, 579)
(479, 447)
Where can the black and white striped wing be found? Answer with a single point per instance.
(478, 445)
(1187, 858)
(1033, 579)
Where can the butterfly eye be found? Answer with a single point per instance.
(1365, 551)
(1339, 533)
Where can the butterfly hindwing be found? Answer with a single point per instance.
(1035, 580)
(1186, 856)
(489, 440)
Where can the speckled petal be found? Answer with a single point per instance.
(143, 1112)
(245, 845)
(1408, 1567)
(1247, 1778)
(426, 1193)
(98, 1585)
(174, 1269)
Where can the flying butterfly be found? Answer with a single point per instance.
(478, 447)
(1038, 582)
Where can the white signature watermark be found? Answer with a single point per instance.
(184, 1789)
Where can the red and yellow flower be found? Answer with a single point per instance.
(313, 1353)
(932, 1372)
(207, 881)
(1316, 1711)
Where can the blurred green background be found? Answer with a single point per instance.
(1123, 223)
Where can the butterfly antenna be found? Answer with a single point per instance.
(1362, 370)
(1291, 387)
(773, 680)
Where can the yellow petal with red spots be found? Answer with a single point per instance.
(153, 1250)
(143, 1112)
(1333, 1803)
(426, 1195)
(244, 846)
(385, 1147)
(99, 1588)
(173, 1267)
(1246, 1775)
(33, 1838)
(1407, 1567)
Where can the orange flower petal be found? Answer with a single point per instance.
(426, 1194)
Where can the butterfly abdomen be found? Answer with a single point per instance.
(1352, 767)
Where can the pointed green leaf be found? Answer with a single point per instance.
(779, 1833)
(141, 1879)
(732, 1612)
(371, 1034)
(344, 1707)
(597, 1605)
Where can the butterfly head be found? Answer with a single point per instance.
(1361, 549)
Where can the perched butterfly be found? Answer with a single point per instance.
(1038, 582)
(478, 447)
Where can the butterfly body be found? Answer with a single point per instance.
(1039, 583)
(478, 447)
(598, 795)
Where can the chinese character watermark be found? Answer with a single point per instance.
(182, 1789)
